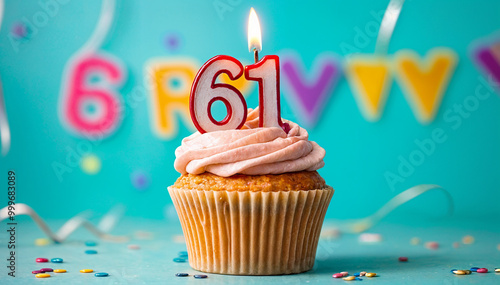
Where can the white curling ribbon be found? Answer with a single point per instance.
(79, 221)
(363, 224)
(4, 123)
(387, 25)
(101, 30)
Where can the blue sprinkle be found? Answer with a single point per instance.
(90, 243)
(357, 278)
(200, 276)
(56, 260)
(101, 274)
(179, 259)
(181, 274)
(91, 251)
(183, 254)
(474, 269)
(356, 274)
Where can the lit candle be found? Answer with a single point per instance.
(205, 91)
(267, 73)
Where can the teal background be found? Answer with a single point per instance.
(359, 152)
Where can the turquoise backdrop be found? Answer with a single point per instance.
(359, 153)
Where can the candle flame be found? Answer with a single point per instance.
(254, 34)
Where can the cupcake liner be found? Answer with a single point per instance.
(251, 233)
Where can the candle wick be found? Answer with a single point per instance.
(255, 55)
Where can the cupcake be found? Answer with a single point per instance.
(250, 201)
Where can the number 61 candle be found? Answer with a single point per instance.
(205, 91)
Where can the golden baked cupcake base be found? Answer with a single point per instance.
(251, 232)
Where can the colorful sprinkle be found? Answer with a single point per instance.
(474, 269)
(90, 243)
(133, 246)
(181, 274)
(415, 241)
(90, 164)
(357, 274)
(179, 259)
(432, 245)
(482, 270)
(362, 273)
(468, 240)
(467, 272)
(42, 241)
(140, 180)
(370, 274)
(369, 237)
(41, 259)
(200, 276)
(42, 275)
(337, 275)
(403, 259)
(91, 251)
(43, 270)
(56, 260)
(349, 278)
(101, 274)
(86, 271)
(497, 270)
(453, 271)
(359, 279)
(36, 271)
(459, 272)
(344, 273)
(59, 270)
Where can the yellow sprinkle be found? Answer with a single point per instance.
(468, 240)
(415, 241)
(350, 278)
(467, 272)
(59, 270)
(42, 275)
(459, 272)
(371, 274)
(86, 271)
(42, 241)
(497, 270)
(90, 164)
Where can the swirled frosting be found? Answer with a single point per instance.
(251, 151)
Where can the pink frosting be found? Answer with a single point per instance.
(251, 150)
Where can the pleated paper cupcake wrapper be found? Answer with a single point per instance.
(251, 233)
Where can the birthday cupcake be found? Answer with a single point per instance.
(250, 201)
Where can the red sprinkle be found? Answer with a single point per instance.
(41, 259)
(43, 270)
(482, 270)
(338, 275)
(403, 259)
(36, 271)
(432, 245)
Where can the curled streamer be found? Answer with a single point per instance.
(387, 25)
(79, 221)
(4, 123)
(363, 224)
